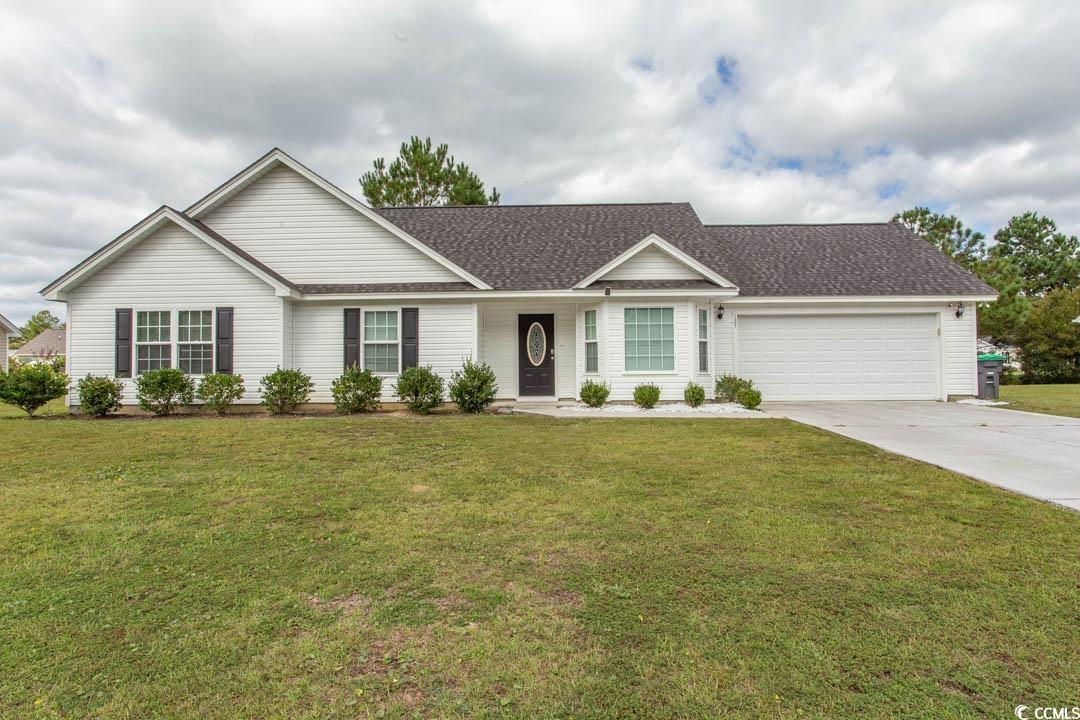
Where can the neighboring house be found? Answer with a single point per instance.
(7, 331)
(986, 345)
(278, 267)
(46, 346)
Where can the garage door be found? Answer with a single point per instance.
(840, 357)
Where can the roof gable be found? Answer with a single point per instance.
(147, 227)
(277, 158)
(654, 259)
(7, 326)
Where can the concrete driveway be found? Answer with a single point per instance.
(1037, 455)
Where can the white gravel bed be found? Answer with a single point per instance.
(984, 403)
(664, 409)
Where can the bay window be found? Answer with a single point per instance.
(649, 337)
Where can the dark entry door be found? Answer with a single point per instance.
(536, 355)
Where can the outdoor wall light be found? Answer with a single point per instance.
(607, 292)
(719, 312)
(959, 310)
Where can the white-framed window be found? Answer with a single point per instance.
(153, 340)
(592, 343)
(381, 341)
(195, 341)
(649, 337)
(703, 340)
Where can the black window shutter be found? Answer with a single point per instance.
(224, 341)
(123, 343)
(410, 337)
(352, 337)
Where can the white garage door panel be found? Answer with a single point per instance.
(840, 357)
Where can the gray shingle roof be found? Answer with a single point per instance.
(541, 247)
(46, 344)
(534, 247)
(840, 259)
(349, 289)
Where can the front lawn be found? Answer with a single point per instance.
(1050, 399)
(517, 567)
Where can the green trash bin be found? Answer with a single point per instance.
(991, 366)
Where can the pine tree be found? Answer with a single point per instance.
(423, 175)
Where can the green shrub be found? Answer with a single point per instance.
(473, 388)
(647, 395)
(163, 391)
(1010, 376)
(420, 388)
(594, 394)
(356, 390)
(99, 396)
(30, 386)
(284, 390)
(694, 395)
(728, 387)
(749, 398)
(218, 391)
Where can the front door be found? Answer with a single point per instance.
(536, 355)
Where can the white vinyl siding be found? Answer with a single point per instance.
(173, 270)
(309, 236)
(445, 336)
(961, 358)
(652, 263)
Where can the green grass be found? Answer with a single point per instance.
(1050, 399)
(517, 567)
(53, 407)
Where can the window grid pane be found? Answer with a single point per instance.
(590, 325)
(381, 357)
(195, 326)
(196, 359)
(152, 326)
(152, 357)
(703, 324)
(381, 326)
(703, 356)
(649, 342)
(592, 358)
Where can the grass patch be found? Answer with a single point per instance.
(51, 409)
(595, 568)
(1049, 399)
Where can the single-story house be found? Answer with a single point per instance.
(7, 331)
(46, 346)
(279, 267)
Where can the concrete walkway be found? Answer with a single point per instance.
(1028, 453)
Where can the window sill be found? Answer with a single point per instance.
(651, 372)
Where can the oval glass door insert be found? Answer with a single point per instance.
(536, 344)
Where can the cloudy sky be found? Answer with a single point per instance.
(754, 112)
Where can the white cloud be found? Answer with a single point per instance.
(834, 111)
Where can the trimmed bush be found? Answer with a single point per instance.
(473, 387)
(356, 390)
(420, 388)
(694, 395)
(99, 396)
(218, 391)
(749, 398)
(728, 387)
(28, 387)
(163, 391)
(647, 395)
(284, 390)
(594, 394)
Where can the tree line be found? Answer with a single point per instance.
(1035, 269)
